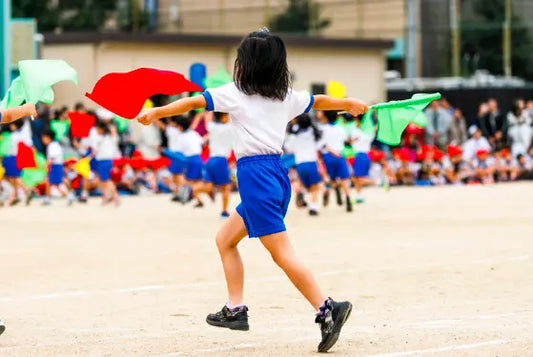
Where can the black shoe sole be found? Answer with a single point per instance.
(336, 330)
(233, 325)
(2, 329)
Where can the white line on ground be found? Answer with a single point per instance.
(70, 294)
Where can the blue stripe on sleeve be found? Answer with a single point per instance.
(210, 105)
(311, 102)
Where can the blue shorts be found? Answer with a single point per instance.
(55, 175)
(177, 163)
(361, 165)
(93, 164)
(104, 169)
(265, 191)
(288, 161)
(10, 167)
(308, 173)
(216, 171)
(337, 167)
(194, 167)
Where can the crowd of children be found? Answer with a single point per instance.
(192, 155)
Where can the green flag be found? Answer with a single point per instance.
(38, 76)
(394, 116)
(33, 177)
(16, 95)
(60, 128)
(122, 123)
(367, 124)
(5, 144)
(40, 161)
(218, 79)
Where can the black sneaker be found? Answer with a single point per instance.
(313, 212)
(300, 201)
(2, 327)
(325, 198)
(331, 319)
(175, 198)
(338, 194)
(233, 319)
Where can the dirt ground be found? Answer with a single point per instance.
(431, 271)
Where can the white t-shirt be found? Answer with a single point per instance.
(304, 146)
(54, 153)
(106, 147)
(362, 142)
(174, 138)
(23, 135)
(220, 143)
(472, 145)
(333, 137)
(191, 142)
(258, 124)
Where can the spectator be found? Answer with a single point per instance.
(529, 108)
(481, 111)
(457, 132)
(439, 121)
(474, 144)
(525, 171)
(493, 125)
(519, 132)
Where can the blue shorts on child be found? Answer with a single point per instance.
(194, 167)
(10, 167)
(336, 166)
(216, 171)
(308, 173)
(265, 191)
(104, 169)
(177, 163)
(361, 165)
(55, 175)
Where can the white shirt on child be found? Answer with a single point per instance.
(333, 137)
(304, 146)
(22, 135)
(220, 143)
(54, 153)
(258, 124)
(174, 138)
(362, 142)
(106, 147)
(191, 143)
(473, 145)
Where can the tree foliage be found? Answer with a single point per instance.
(301, 16)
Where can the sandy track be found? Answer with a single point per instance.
(441, 271)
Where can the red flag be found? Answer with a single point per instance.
(81, 124)
(25, 157)
(125, 93)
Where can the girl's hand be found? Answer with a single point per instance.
(30, 110)
(357, 107)
(147, 116)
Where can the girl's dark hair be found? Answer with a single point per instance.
(304, 122)
(183, 123)
(104, 127)
(261, 66)
(331, 116)
(219, 116)
(49, 133)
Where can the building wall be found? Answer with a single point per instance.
(349, 18)
(362, 71)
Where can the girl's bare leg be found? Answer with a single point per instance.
(283, 254)
(230, 234)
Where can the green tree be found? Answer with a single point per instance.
(482, 38)
(301, 16)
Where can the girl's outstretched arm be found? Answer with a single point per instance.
(354, 106)
(12, 114)
(180, 106)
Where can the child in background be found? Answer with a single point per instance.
(260, 103)
(216, 168)
(305, 145)
(361, 143)
(332, 143)
(483, 166)
(191, 143)
(105, 150)
(177, 159)
(54, 157)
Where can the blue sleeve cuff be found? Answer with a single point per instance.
(210, 105)
(311, 102)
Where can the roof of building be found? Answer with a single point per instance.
(210, 39)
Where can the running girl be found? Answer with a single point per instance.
(54, 156)
(260, 103)
(106, 148)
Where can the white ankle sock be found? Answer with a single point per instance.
(230, 306)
